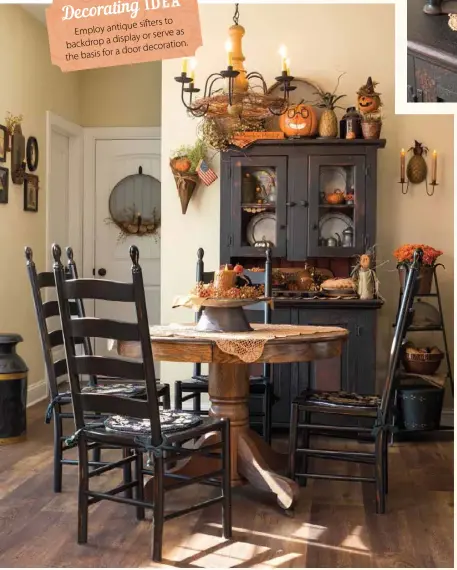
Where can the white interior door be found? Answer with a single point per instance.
(116, 159)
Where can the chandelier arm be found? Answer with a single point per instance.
(210, 91)
(191, 108)
(218, 76)
(257, 75)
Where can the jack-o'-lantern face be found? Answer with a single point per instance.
(299, 121)
(369, 103)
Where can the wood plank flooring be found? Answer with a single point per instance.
(334, 524)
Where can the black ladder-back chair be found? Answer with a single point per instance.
(377, 408)
(261, 387)
(132, 423)
(56, 366)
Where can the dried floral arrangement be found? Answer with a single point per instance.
(183, 163)
(219, 133)
(210, 291)
(132, 223)
(12, 121)
(405, 254)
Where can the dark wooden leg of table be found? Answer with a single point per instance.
(252, 458)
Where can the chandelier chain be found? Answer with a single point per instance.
(236, 17)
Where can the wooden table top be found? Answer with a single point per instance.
(302, 348)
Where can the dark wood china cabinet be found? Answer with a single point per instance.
(278, 191)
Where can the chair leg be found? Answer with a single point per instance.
(178, 395)
(197, 402)
(158, 509)
(139, 491)
(97, 455)
(127, 470)
(83, 488)
(292, 440)
(166, 399)
(226, 487)
(267, 405)
(58, 454)
(304, 462)
(385, 454)
(379, 474)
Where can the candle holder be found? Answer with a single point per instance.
(403, 181)
(433, 184)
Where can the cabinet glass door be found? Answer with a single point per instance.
(337, 189)
(259, 190)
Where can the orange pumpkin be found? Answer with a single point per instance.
(299, 121)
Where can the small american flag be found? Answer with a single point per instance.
(205, 173)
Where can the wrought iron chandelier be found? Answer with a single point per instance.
(234, 93)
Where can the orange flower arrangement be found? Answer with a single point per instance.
(405, 254)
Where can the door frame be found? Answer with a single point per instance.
(75, 134)
(91, 137)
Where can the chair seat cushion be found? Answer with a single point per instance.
(341, 398)
(126, 390)
(170, 421)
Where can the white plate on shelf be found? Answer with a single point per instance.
(334, 223)
(262, 227)
(332, 178)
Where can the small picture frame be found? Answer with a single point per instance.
(4, 139)
(4, 181)
(31, 186)
(31, 154)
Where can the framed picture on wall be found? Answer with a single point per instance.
(3, 143)
(31, 193)
(31, 153)
(4, 179)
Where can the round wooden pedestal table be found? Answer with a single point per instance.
(252, 459)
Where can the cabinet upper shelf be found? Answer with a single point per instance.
(379, 143)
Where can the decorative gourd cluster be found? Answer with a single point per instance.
(229, 283)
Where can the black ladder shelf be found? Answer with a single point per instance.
(437, 328)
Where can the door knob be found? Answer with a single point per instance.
(102, 272)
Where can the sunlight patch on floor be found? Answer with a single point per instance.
(354, 540)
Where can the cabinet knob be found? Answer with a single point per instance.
(315, 226)
(290, 204)
(304, 203)
(282, 227)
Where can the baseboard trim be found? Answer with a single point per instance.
(36, 392)
(447, 417)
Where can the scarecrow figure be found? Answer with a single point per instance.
(365, 277)
(368, 100)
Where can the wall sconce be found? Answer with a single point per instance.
(416, 171)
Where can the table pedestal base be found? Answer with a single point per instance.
(252, 459)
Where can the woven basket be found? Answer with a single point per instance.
(423, 363)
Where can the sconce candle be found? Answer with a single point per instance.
(434, 165)
(193, 65)
(184, 65)
(402, 164)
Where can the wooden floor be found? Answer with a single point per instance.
(334, 524)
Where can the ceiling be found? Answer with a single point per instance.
(37, 10)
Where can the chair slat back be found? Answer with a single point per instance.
(50, 340)
(118, 367)
(404, 318)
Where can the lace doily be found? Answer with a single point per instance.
(247, 346)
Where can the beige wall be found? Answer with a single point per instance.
(112, 97)
(323, 41)
(124, 96)
(30, 86)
